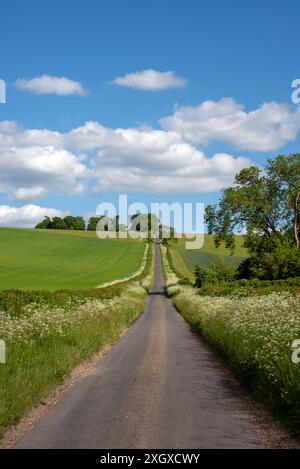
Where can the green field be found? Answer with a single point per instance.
(40, 259)
(185, 260)
(209, 246)
(206, 259)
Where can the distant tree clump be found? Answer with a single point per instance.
(57, 223)
(111, 224)
(142, 223)
(150, 224)
(74, 223)
(92, 223)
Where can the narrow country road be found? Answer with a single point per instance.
(157, 387)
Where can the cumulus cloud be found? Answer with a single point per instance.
(266, 128)
(34, 163)
(133, 159)
(28, 193)
(47, 84)
(151, 80)
(26, 216)
(148, 160)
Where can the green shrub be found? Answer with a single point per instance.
(281, 263)
(218, 271)
(246, 287)
(185, 281)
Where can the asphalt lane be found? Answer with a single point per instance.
(158, 387)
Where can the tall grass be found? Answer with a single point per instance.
(254, 335)
(178, 264)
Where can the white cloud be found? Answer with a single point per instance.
(266, 128)
(181, 169)
(134, 159)
(47, 84)
(147, 160)
(151, 80)
(28, 193)
(34, 163)
(26, 216)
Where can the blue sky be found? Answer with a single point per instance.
(247, 52)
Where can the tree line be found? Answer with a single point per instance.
(72, 223)
(139, 222)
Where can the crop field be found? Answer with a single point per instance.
(50, 260)
(205, 259)
(209, 246)
(185, 260)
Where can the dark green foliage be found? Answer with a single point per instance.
(46, 224)
(74, 223)
(57, 223)
(219, 271)
(267, 204)
(204, 276)
(111, 224)
(281, 263)
(144, 223)
(250, 287)
(185, 281)
(92, 223)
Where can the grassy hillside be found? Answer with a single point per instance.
(31, 259)
(185, 260)
(205, 259)
(210, 247)
(180, 264)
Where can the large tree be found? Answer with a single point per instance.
(285, 171)
(264, 205)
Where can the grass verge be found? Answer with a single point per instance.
(254, 335)
(178, 264)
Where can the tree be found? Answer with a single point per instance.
(111, 224)
(58, 223)
(45, 224)
(265, 204)
(167, 233)
(92, 223)
(285, 170)
(74, 223)
(79, 223)
(145, 223)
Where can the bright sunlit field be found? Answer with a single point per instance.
(31, 259)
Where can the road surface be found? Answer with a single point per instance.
(157, 387)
